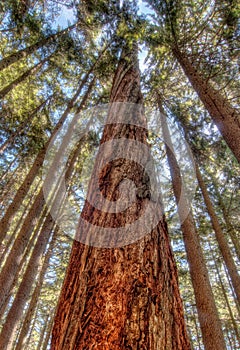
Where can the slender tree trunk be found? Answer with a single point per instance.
(226, 299)
(125, 297)
(222, 242)
(7, 193)
(197, 331)
(207, 312)
(22, 127)
(232, 290)
(230, 229)
(34, 299)
(14, 57)
(11, 266)
(22, 77)
(11, 239)
(15, 313)
(28, 341)
(3, 175)
(48, 333)
(229, 226)
(24, 188)
(13, 261)
(224, 116)
(47, 319)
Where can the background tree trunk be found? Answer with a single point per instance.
(224, 116)
(222, 242)
(7, 61)
(24, 76)
(25, 186)
(207, 312)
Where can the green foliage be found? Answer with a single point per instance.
(206, 31)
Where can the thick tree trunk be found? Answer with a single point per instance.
(224, 116)
(222, 242)
(125, 297)
(14, 57)
(207, 312)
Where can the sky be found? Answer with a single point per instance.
(67, 16)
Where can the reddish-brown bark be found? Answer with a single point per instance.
(123, 297)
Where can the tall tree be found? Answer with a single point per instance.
(225, 117)
(115, 298)
(222, 241)
(36, 101)
(14, 57)
(25, 186)
(172, 36)
(207, 311)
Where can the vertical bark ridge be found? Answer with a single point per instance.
(125, 297)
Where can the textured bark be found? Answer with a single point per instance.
(7, 61)
(222, 242)
(207, 312)
(224, 116)
(126, 297)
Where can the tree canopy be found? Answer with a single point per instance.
(58, 60)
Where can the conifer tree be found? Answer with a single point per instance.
(115, 298)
